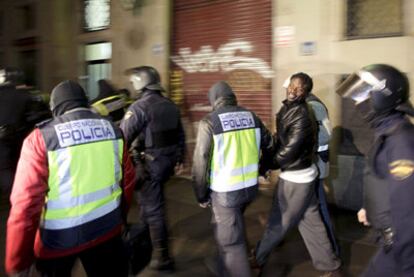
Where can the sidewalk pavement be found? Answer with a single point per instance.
(192, 240)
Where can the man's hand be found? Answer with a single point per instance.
(179, 169)
(24, 273)
(205, 204)
(362, 217)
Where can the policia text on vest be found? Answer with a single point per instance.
(83, 131)
(236, 120)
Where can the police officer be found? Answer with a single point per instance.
(16, 120)
(225, 172)
(381, 94)
(153, 123)
(376, 208)
(109, 102)
(71, 194)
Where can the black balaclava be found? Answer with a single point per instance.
(376, 118)
(220, 90)
(66, 96)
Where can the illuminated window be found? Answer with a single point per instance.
(374, 18)
(96, 14)
(98, 66)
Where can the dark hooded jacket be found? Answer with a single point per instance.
(223, 100)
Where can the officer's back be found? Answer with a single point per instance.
(154, 120)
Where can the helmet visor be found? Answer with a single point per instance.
(355, 88)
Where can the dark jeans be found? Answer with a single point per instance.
(230, 236)
(323, 208)
(106, 259)
(295, 204)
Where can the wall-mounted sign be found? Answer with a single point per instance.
(157, 49)
(308, 48)
(284, 36)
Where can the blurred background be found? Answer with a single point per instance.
(252, 44)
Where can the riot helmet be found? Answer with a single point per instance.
(144, 77)
(11, 76)
(380, 88)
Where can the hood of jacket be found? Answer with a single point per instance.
(221, 94)
(66, 96)
(105, 90)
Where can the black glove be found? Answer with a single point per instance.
(387, 239)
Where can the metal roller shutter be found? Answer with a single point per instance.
(216, 40)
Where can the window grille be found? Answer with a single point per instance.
(374, 18)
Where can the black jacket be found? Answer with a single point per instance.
(295, 136)
(18, 115)
(156, 122)
(392, 159)
(223, 100)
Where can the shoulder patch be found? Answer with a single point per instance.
(401, 169)
(127, 115)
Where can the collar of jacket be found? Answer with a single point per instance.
(386, 125)
(147, 92)
(224, 101)
(77, 110)
(294, 103)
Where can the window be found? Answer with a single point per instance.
(98, 66)
(28, 17)
(374, 18)
(96, 14)
(28, 63)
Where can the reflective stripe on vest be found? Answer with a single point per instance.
(105, 106)
(235, 160)
(77, 194)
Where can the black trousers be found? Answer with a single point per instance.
(151, 177)
(6, 180)
(106, 259)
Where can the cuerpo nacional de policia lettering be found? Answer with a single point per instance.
(83, 131)
(236, 121)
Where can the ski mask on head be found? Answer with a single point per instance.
(220, 90)
(66, 96)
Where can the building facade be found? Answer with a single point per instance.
(253, 44)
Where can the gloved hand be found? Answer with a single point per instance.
(387, 239)
(205, 204)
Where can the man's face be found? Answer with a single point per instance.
(296, 90)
